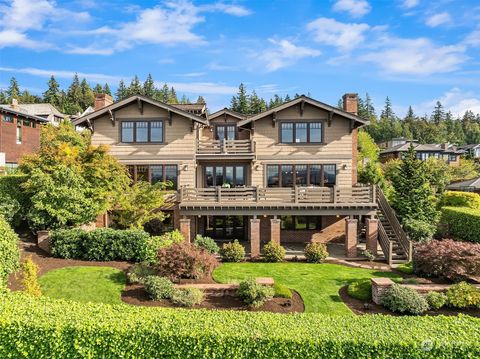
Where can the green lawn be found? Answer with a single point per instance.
(318, 284)
(84, 284)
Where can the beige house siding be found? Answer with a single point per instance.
(207, 132)
(178, 148)
(337, 147)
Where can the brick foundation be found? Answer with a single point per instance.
(185, 228)
(379, 287)
(275, 230)
(351, 235)
(372, 235)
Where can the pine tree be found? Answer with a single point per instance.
(370, 110)
(200, 99)
(106, 89)
(287, 98)
(164, 92)
(387, 111)
(73, 98)
(340, 104)
(256, 104)
(52, 95)
(121, 91)
(149, 87)
(13, 91)
(172, 96)
(239, 103)
(438, 114)
(88, 97)
(135, 87)
(184, 99)
(98, 88)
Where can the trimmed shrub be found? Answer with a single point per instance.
(461, 223)
(273, 252)
(158, 287)
(254, 294)
(436, 300)
(232, 252)
(46, 328)
(316, 252)
(68, 243)
(185, 260)
(406, 268)
(139, 272)
(187, 297)
(13, 202)
(419, 230)
(282, 291)
(29, 275)
(463, 295)
(361, 290)
(447, 259)
(401, 299)
(206, 243)
(9, 253)
(460, 199)
(155, 243)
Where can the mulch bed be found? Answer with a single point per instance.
(136, 295)
(358, 307)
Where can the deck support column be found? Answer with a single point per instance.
(185, 228)
(371, 232)
(254, 236)
(351, 237)
(275, 230)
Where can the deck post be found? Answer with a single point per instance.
(275, 230)
(371, 232)
(254, 236)
(334, 191)
(351, 237)
(219, 194)
(185, 228)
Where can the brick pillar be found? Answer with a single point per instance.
(379, 287)
(254, 236)
(275, 230)
(43, 240)
(185, 228)
(371, 233)
(351, 237)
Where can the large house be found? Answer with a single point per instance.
(286, 174)
(44, 110)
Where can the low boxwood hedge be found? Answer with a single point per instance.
(44, 328)
(462, 223)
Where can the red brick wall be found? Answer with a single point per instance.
(8, 141)
(354, 155)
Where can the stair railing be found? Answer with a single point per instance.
(385, 243)
(390, 215)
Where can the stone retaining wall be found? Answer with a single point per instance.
(217, 289)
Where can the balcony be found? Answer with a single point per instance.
(243, 149)
(247, 200)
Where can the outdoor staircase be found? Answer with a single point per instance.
(395, 244)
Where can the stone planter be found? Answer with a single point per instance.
(43, 240)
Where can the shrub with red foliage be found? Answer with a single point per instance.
(185, 260)
(448, 259)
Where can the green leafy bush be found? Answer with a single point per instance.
(406, 268)
(9, 253)
(253, 293)
(419, 230)
(46, 328)
(402, 299)
(13, 201)
(273, 252)
(316, 252)
(139, 272)
(102, 244)
(282, 291)
(436, 300)
(155, 243)
(463, 295)
(187, 297)
(185, 260)
(29, 278)
(461, 223)
(206, 243)
(232, 252)
(360, 289)
(460, 199)
(158, 287)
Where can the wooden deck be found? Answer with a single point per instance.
(220, 148)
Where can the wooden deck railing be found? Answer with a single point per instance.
(218, 147)
(385, 243)
(300, 195)
(389, 213)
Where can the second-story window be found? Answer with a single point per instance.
(225, 132)
(301, 132)
(155, 173)
(142, 131)
(301, 175)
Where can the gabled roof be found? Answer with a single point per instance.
(429, 147)
(471, 183)
(311, 101)
(226, 111)
(36, 109)
(12, 111)
(469, 147)
(191, 107)
(137, 98)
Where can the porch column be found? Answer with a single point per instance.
(254, 236)
(275, 230)
(185, 228)
(371, 232)
(351, 237)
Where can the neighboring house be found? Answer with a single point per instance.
(472, 185)
(44, 110)
(19, 134)
(283, 175)
(473, 150)
(397, 147)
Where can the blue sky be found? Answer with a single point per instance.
(415, 51)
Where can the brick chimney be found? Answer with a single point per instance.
(14, 104)
(350, 103)
(102, 100)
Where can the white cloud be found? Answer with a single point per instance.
(455, 100)
(473, 39)
(230, 9)
(410, 3)
(416, 56)
(202, 88)
(356, 8)
(438, 19)
(62, 74)
(192, 74)
(345, 36)
(284, 53)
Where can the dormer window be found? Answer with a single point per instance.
(301, 132)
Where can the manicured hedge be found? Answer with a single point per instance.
(9, 253)
(103, 244)
(460, 199)
(13, 201)
(461, 223)
(44, 328)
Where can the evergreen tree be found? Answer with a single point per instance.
(73, 99)
(52, 95)
(438, 114)
(256, 104)
(172, 96)
(106, 89)
(121, 91)
(13, 90)
(98, 89)
(287, 98)
(135, 87)
(184, 99)
(149, 87)
(200, 99)
(164, 93)
(88, 97)
(239, 102)
(27, 97)
(340, 104)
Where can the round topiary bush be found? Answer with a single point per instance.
(273, 252)
(158, 287)
(232, 252)
(253, 293)
(187, 297)
(436, 300)
(463, 295)
(316, 252)
(404, 300)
